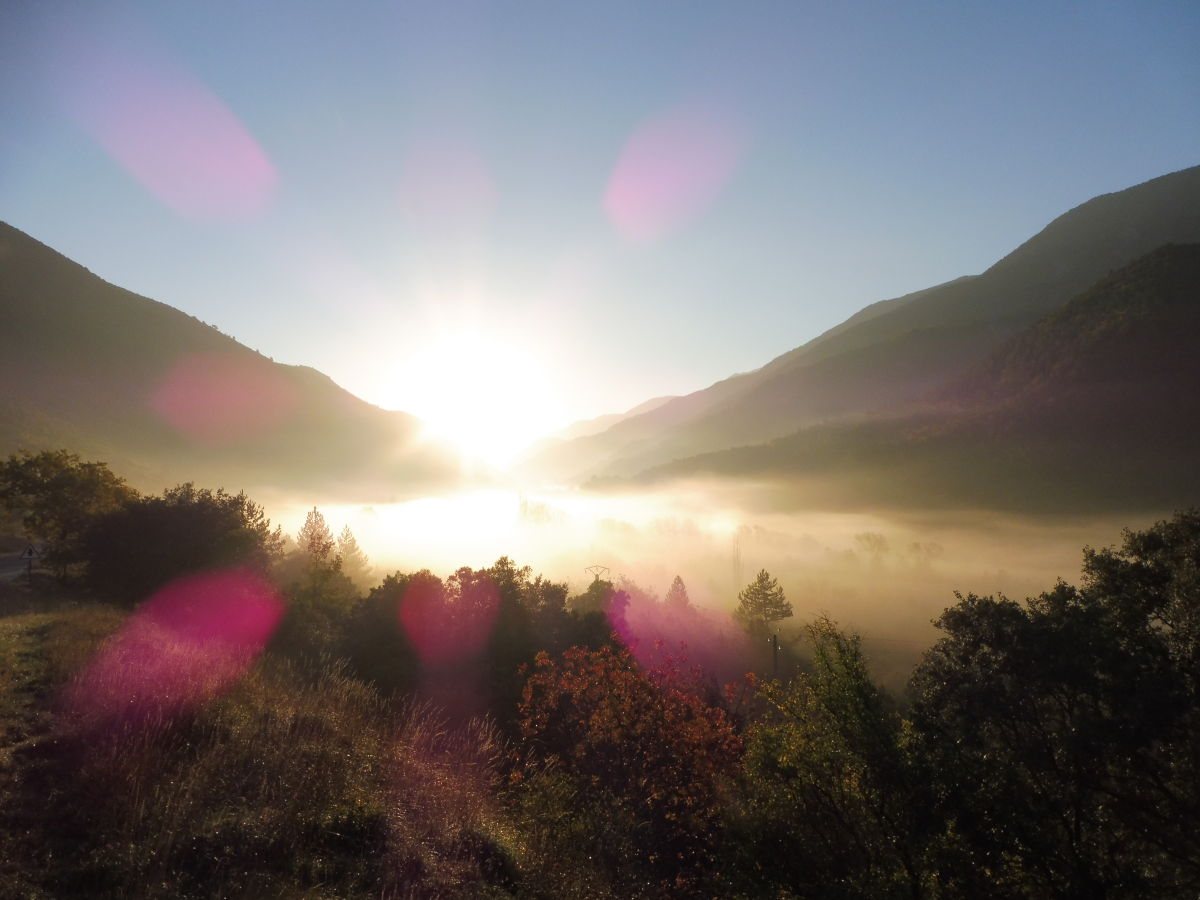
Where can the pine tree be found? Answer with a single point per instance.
(315, 538)
(677, 596)
(355, 564)
(760, 603)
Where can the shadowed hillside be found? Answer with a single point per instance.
(1094, 407)
(894, 352)
(165, 396)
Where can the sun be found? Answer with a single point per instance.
(486, 393)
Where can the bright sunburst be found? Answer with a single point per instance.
(488, 394)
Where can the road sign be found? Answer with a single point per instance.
(30, 553)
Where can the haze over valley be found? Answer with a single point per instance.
(600, 451)
(984, 430)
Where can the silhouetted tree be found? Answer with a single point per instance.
(760, 603)
(594, 599)
(315, 539)
(1061, 734)
(355, 564)
(677, 595)
(874, 544)
(133, 550)
(378, 646)
(56, 495)
(320, 596)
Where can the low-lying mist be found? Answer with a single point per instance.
(884, 574)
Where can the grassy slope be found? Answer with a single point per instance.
(280, 784)
(44, 638)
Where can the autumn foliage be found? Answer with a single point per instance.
(643, 744)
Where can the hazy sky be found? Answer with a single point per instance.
(545, 211)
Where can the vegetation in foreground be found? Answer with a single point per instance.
(194, 706)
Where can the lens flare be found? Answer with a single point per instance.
(166, 128)
(447, 630)
(702, 637)
(189, 642)
(670, 170)
(218, 400)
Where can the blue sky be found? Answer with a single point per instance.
(545, 211)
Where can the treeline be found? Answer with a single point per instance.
(260, 725)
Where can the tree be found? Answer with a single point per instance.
(1061, 733)
(874, 544)
(647, 759)
(315, 539)
(57, 496)
(595, 599)
(760, 603)
(320, 596)
(132, 551)
(829, 806)
(677, 595)
(355, 564)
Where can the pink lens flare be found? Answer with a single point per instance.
(445, 632)
(166, 128)
(707, 639)
(222, 399)
(188, 643)
(670, 170)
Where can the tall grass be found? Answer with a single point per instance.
(281, 784)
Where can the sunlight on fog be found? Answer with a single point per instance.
(884, 575)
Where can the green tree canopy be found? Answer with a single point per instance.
(828, 784)
(760, 603)
(134, 550)
(56, 495)
(1061, 734)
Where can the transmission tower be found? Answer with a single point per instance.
(597, 571)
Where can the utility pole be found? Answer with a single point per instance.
(596, 572)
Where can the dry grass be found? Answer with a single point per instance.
(446, 837)
(137, 766)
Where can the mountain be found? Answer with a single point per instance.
(164, 397)
(1095, 407)
(588, 427)
(894, 352)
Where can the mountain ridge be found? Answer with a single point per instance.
(1094, 407)
(926, 336)
(166, 396)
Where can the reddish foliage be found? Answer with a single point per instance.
(639, 740)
